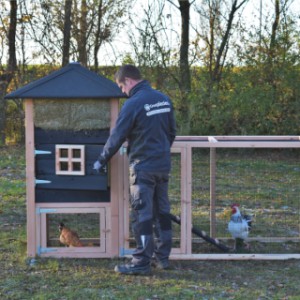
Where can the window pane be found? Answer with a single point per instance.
(76, 153)
(76, 166)
(63, 153)
(63, 166)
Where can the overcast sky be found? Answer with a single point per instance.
(250, 14)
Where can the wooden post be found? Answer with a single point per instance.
(213, 192)
(30, 178)
(124, 207)
(116, 183)
(188, 204)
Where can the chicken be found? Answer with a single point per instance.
(69, 237)
(239, 227)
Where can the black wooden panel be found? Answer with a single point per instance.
(45, 163)
(95, 136)
(66, 182)
(55, 196)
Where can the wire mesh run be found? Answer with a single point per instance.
(261, 175)
(266, 185)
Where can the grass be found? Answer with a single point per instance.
(49, 278)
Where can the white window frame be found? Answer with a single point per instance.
(69, 160)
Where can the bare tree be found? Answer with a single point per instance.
(185, 76)
(8, 74)
(109, 18)
(67, 32)
(221, 54)
(41, 28)
(151, 45)
(99, 38)
(274, 27)
(184, 66)
(217, 42)
(80, 30)
(12, 61)
(274, 45)
(72, 28)
(154, 48)
(83, 34)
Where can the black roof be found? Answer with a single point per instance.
(71, 81)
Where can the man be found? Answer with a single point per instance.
(147, 122)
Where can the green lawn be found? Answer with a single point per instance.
(43, 278)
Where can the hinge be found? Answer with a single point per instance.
(124, 252)
(45, 210)
(38, 152)
(41, 181)
(123, 150)
(42, 250)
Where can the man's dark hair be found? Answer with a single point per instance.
(129, 71)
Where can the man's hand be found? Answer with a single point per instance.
(98, 167)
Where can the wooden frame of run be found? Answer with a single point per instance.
(184, 145)
(186, 228)
(190, 142)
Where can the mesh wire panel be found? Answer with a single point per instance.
(86, 225)
(264, 182)
(266, 185)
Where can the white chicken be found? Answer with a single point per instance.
(239, 227)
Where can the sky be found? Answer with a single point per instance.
(114, 53)
(250, 14)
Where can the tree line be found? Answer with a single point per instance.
(228, 72)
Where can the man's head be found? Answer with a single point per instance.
(127, 77)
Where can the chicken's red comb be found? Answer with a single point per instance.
(234, 204)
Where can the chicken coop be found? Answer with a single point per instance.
(68, 118)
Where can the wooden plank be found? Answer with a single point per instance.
(189, 182)
(42, 230)
(251, 256)
(241, 144)
(68, 196)
(38, 228)
(91, 136)
(266, 240)
(72, 205)
(87, 183)
(240, 138)
(213, 192)
(116, 181)
(86, 253)
(124, 207)
(108, 232)
(30, 178)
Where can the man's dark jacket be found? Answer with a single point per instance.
(147, 122)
